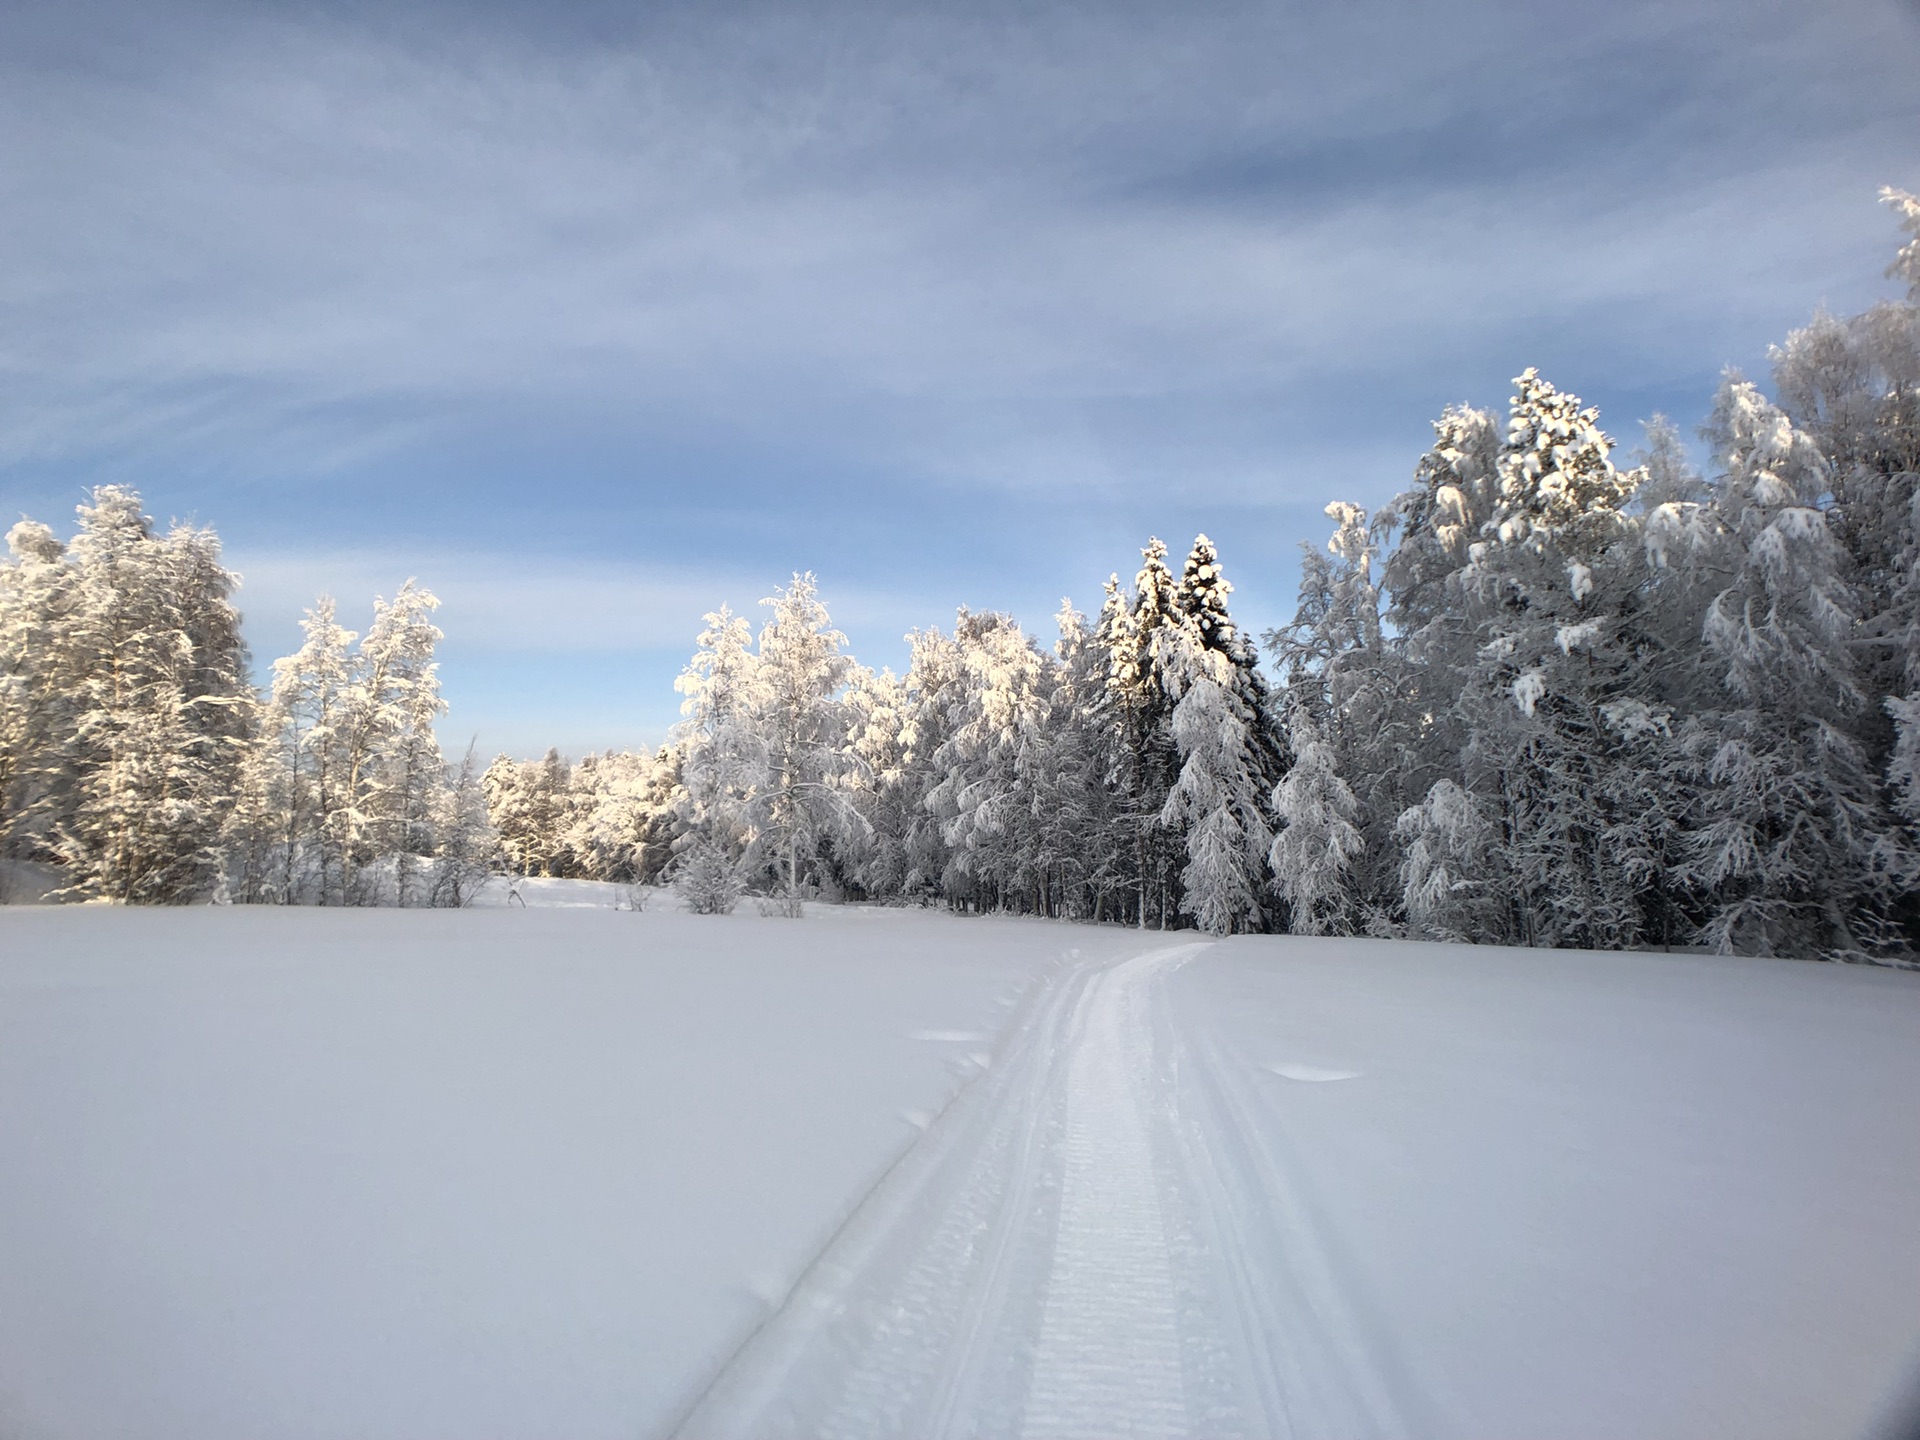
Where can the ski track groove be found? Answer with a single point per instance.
(1109, 1340)
(1327, 1363)
(1092, 1238)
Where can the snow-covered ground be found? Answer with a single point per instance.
(503, 892)
(554, 1171)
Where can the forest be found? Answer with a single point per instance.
(1549, 695)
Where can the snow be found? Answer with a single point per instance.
(528, 1173)
(1599, 1195)
(501, 1173)
(539, 892)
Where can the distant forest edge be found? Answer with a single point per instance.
(1537, 699)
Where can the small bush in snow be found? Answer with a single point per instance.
(708, 880)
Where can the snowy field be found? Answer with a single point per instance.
(567, 1171)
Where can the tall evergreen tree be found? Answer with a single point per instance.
(1082, 846)
(150, 657)
(803, 759)
(1795, 849)
(1347, 693)
(298, 779)
(35, 713)
(1138, 635)
(395, 772)
(1316, 840)
(992, 762)
(1228, 761)
(929, 706)
(717, 752)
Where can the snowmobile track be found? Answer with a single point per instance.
(1092, 1238)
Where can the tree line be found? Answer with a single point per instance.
(138, 759)
(1541, 697)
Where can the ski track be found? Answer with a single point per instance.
(1109, 1343)
(1096, 1237)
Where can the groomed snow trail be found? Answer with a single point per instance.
(1094, 1238)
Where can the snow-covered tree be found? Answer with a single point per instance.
(611, 817)
(1794, 847)
(1136, 634)
(1546, 594)
(1317, 841)
(802, 758)
(345, 795)
(1081, 847)
(621, 815)
(1354, 696)
(1513, 593)
(709, 877)
(875, 856)
(531, 804)
(990, 760)
(1852, 386)
(149, 660)
(766, 761)
(35, 714)
(718, 749)
(1228, 761)
(1906, 264)
(394, 771)
(1452, 871)
(298, 778)
(465, 839)
(929, 703)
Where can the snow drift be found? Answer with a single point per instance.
(512, 1173)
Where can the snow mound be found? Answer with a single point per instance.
(1311, 1074)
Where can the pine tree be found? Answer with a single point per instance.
(1349, 693)
(35, 715)
(1795, 850)
(620, 816)
(876, 708)
(1137, 634)
(1082, 849)
(1395, 712)
(149, 656)
(1546, 593)
(466, 842)
(766, 764)
(394, 772)
(299, 778)
(802, 801)
(715, 740)
(932, 686)
(1228, 761)
(708, 877)
(1201, 603)
(1317, 840)
(1452, 875)
(1853, 387)
(990, 762)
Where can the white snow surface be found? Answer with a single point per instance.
(573, 1172)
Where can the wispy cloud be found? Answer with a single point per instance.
(547, 650)
(296, 226)
(913, 295)
(518, 604)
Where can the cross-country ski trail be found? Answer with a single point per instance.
(1097, 1237)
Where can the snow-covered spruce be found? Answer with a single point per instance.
(1544, 696)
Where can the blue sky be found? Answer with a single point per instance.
(595, 319)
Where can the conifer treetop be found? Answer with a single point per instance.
(1555, 469)
(1906, 264)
